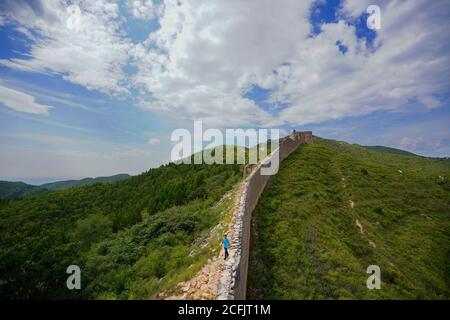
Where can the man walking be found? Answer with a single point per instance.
(226, 244)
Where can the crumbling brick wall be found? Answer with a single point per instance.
(234, 278)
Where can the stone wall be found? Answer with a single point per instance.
(233, 283)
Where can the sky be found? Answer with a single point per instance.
(95, 88)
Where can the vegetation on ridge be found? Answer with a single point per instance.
(10, 190)
(309, 243)
(130, 238)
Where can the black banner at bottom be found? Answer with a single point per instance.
(247, 309)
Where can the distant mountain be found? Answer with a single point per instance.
(9, 190)
(402, 152)
(390, 150)
(59, 185)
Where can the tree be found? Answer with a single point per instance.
(92, 229)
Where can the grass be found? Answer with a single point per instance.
(305, 243)
(147, 259)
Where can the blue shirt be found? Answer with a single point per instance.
(225, 243)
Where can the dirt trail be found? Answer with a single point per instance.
(359, 225)
(357, 222)
(205, 284)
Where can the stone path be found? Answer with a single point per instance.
(205, 284)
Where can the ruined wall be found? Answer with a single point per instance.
(233, 283)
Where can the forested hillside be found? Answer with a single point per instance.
(65, 184)
(334, 209)
(9, 190)
(130, 238)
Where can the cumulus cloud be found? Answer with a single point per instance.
(429, 102)
(425, 145)
(82, 42)
(21, 102)
(206, 55)
(353, 8)
(143, 9)
(409, 143)
(410, 62)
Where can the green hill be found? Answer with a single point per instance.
(59, 185)
(334, 209)
(10, 190)
(130, 238)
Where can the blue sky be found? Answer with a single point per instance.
(99, 89)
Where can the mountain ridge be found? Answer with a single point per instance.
(335, 208)
(16, 189)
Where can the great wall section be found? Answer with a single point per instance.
(233, 282)
(227, 280)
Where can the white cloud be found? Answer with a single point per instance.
(429, 102)
(206, 54)
(153, 141)
(410, 62)
(21, 102)
(409, 143)
(353, 8)
(143, 9)
(83, 42)
(424, 145)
